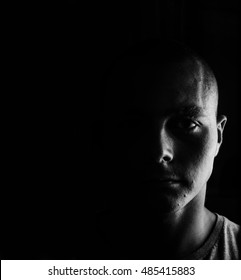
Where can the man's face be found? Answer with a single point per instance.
(170, 136)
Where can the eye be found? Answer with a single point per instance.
(187, 124)
(184, 124)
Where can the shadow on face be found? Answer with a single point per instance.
(160, 131)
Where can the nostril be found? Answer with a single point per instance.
(165, 158)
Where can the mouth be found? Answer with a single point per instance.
(165, 182)
(168, 180)
(169, 183)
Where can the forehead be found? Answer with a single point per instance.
(170, 87)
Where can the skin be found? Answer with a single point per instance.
(168, 143)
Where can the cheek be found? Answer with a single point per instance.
(198, 155)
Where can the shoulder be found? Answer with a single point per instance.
(230, 226)
(230, 239)
(231, 231)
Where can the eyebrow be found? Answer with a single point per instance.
(191, 110)
(185, 111)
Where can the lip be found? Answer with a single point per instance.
(169, 183)
(165, 181)
(164, 178)
(169, 180)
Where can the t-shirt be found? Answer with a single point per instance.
(116, 242)
(222, 244)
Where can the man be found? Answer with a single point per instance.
(162, 132)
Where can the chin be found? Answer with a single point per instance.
(167, 203)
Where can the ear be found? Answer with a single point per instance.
(221, 122)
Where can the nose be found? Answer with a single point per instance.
(165, 150)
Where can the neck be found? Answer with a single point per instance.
(186, 229)
(165, 236)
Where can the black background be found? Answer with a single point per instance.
(56, 57)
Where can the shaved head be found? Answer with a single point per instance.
(140, 67)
